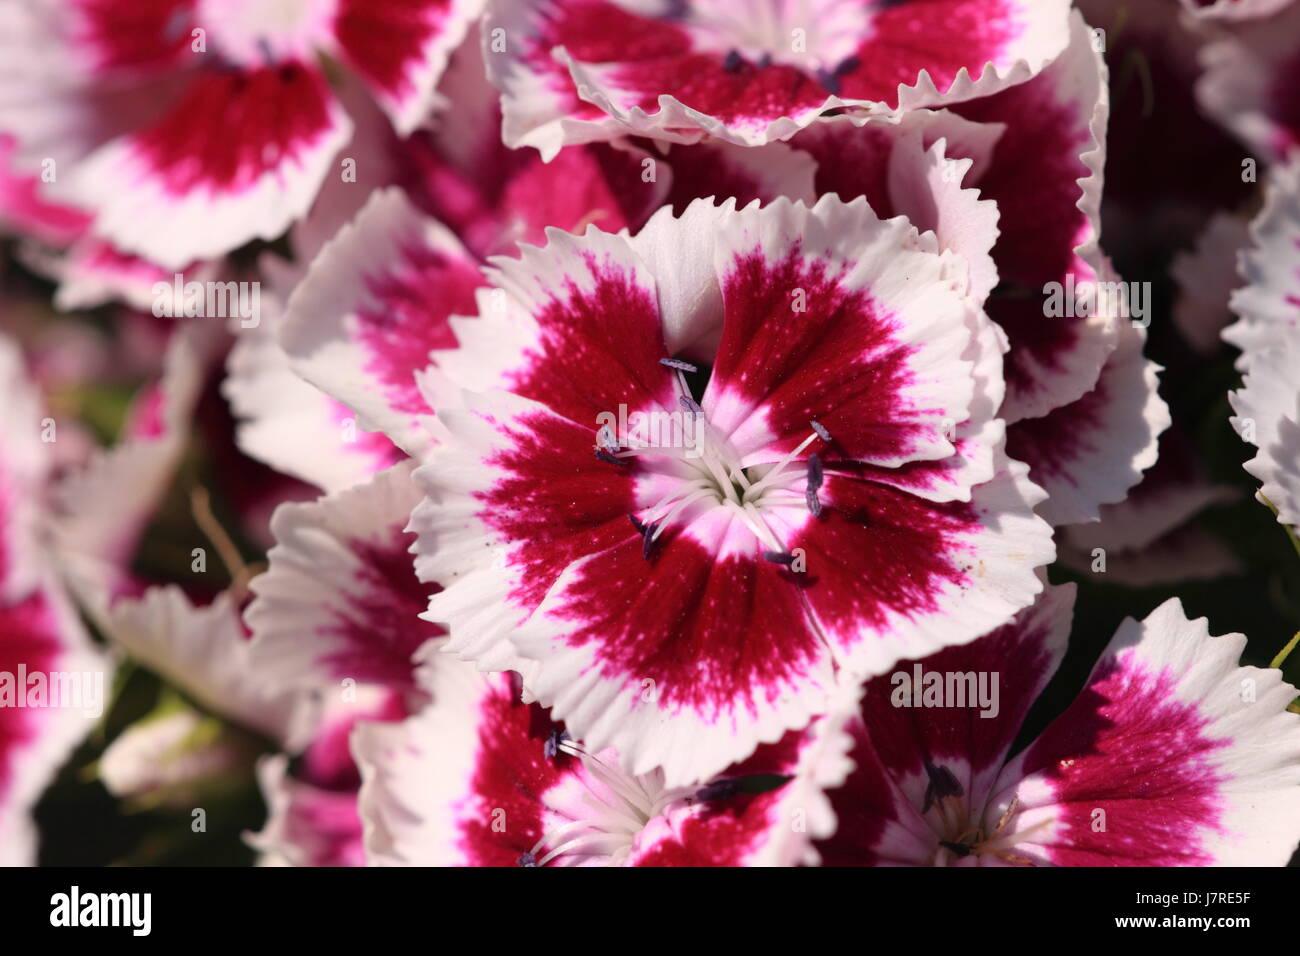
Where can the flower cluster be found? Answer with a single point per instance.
(652, 432)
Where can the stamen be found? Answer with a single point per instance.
(648, 540)
(814, 503)
(814, 471)
(526, 859)
(609, 459)
(678, 364)
(551, 748)
(606, 439)
(678, 508)
(637, 523)
(690, 404)
(829, 82)
(820, 429)
(814, 482)
(723, 789)
(779, 468)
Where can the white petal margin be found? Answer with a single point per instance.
(535, 114)
(135, 212)
(447, 23)
(321, 331)
(30, 761)
(1240, 710)
(288, 423)
(203, 651)
(416, 775)
(1078, 81)
(1241, 80)
(316, 582)
(1091, 452)
(1270, 270)
(457, 551)
(1268, 416)
(1229, 10)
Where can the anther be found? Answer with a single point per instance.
(648, 539)
(551, 748)
(779, 557)
(605, 438)
(690, 404)
(820, 429)
(830, 82)
(609, 459)
(723, 789)
(814, 471)
(732, 61)
(637, 523)
(812, 501)
(678, 364)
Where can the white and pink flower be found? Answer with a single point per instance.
(1171, 755)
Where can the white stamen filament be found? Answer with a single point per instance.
(614, 809)
(719, 476)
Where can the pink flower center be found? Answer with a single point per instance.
(598, 811)
(255, 33)
(695, 473)
(810, 35)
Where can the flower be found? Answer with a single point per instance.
(748, 73)
(1268, 333)
(45, 651)
(1170, 755)
(187, 128)
(481, 778)
(811, 511)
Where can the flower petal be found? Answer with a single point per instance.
(1045, 176)
(1248, 83)
(899, 737)
(239, 157)
(568, 75)
(1162, 760)
(373, 305)
(400, 48)
(203, 650)
(1267, 305)
(1268, 416)
(43, 649)
(339, 598)
(1093, 450)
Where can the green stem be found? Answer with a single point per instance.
(1283, 654)
(1290, 531)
